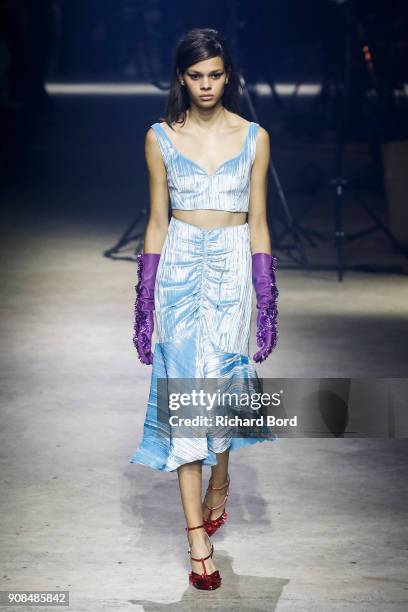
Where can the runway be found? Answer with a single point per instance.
(315, 525)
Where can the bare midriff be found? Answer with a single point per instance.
(209, 219)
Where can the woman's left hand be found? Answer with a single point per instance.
(263, 276)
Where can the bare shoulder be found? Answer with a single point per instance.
(150, 136)
(262, 141)
(152, 149)
(151, 143)
(262, 151)
(262, 135)
(154, 158)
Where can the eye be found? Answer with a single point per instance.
(195, 77)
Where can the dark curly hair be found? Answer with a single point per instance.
(195, 46)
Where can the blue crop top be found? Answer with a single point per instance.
(192, 188)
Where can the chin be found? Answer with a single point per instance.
(208, 104)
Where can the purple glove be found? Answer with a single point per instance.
(143, 327)
(263, 278)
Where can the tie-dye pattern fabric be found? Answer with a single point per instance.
(203, 303)
(192, 188)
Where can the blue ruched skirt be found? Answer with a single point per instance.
(203, 304)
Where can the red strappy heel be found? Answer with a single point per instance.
(210, 525)
(208, 582)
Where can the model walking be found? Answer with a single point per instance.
(196, 272)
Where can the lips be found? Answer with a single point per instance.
(206, 97)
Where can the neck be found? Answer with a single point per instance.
(206, 119)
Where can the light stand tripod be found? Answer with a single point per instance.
(290, 227)
(287, 220)
(339, 182)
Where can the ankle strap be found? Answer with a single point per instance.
(219, 505)
(202, 558)
(222, 486)
(190, 528)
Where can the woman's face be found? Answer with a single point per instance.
(206, 78)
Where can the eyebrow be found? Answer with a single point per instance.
(212, 71)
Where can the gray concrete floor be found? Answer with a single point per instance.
(314, 525)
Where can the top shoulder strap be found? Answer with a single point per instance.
(253, 133)
(164, 141)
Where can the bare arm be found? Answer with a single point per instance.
(257, 219)
(158, 222)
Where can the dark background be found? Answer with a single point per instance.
(63, 153)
